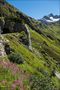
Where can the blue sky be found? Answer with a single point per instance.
(37, 8)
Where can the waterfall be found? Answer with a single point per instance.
(29, 37)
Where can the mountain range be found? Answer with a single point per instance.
(29, 50)
(50, 19)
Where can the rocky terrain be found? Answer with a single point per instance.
(29, 51)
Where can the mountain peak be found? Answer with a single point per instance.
(51, 18)
(50, 15)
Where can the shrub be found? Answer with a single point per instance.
(41, 83)
(15, 58)
(7, 48)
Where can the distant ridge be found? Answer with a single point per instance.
(50, 19)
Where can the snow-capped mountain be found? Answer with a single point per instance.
(50, 18)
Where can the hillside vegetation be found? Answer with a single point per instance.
(32, 52)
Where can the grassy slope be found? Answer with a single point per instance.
(44, 57)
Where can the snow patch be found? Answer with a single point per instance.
(53, 19)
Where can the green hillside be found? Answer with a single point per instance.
(31, 52)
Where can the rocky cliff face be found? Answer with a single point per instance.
(14, 18)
